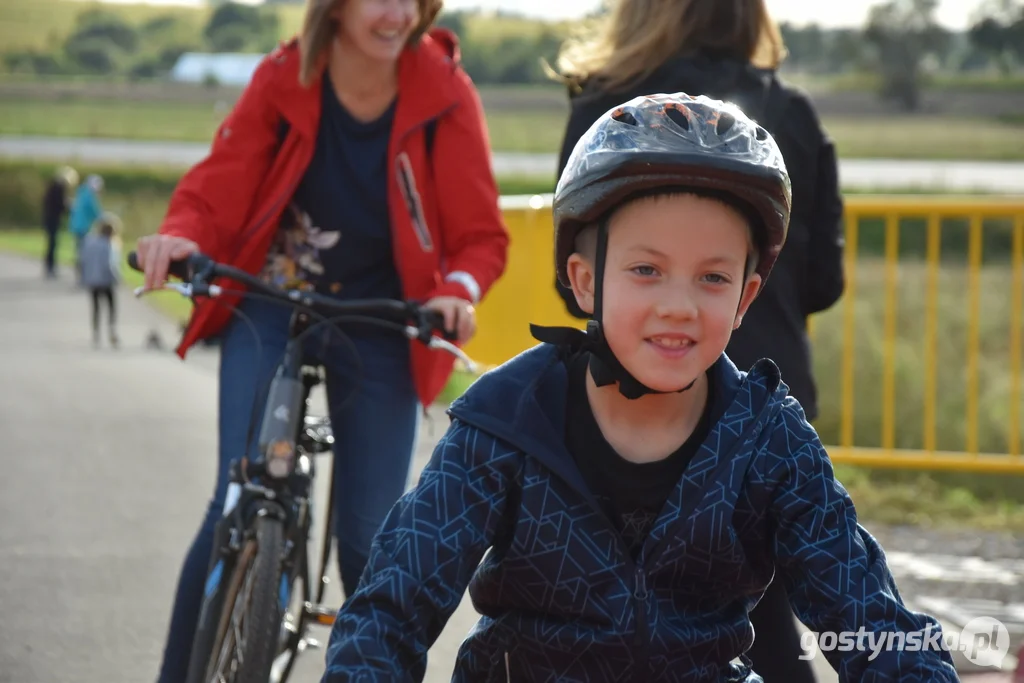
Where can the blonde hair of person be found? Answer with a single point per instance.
(68, 175)
(634, 37)
(319, 29)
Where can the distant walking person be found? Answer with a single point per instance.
(101, 272)
(56, 202)
(85, 211)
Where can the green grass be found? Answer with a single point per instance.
(859, 81)
(140, 195)
(520, 122)
(43, 24)
(526, 131)
(926, 137)
(970, 501)
(520, 131)
(178, 122)
(953, 306)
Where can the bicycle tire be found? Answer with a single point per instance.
(223, 573)
(292, 644)
(253, 589)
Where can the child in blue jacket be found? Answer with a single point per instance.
(617, 500)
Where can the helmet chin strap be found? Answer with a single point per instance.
(605, 368)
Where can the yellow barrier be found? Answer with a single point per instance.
(526, 294)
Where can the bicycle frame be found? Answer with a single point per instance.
(289, 440)
(277, 482)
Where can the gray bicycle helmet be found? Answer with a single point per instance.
(668, 141)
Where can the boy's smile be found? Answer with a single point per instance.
(675, 286)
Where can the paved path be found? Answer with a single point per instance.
(870, 174)
(107, 464)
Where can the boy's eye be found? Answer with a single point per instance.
(646, 271)
(716, 279)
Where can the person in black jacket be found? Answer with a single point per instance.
(56, 201)
(730, 50)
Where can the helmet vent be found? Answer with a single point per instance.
(625, 117)
(725, 122)
(761, 134)
(678, 117)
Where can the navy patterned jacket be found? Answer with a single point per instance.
(559, 595)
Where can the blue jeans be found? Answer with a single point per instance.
(375, 436)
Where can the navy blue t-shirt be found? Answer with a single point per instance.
(336, 234)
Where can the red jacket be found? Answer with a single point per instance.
(448, 233)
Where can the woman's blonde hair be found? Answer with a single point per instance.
(318, 30)
(635, 37)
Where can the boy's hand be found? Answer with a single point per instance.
(459, 316)
(155, 253)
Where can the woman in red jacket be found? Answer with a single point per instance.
(356, 162)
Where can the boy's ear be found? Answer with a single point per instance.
(581, 279)
(750, 287)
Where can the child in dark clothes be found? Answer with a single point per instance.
(101, 273)
(618, 500)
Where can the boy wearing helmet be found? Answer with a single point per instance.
(617, 500)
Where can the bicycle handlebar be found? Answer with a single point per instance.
(197, 272)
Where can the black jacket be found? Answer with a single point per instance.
(55, 204)
(808, 277)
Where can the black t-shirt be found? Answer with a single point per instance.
(335, 235)
(631, 494)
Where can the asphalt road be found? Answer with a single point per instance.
(868, 174)
(107, 465)
(108, 462)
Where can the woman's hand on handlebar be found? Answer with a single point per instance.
(155, 253)
(459, 315)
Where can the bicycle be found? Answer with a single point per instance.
(245, 634)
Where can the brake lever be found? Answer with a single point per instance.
(185, 289)
(444, 345)
(433, 342)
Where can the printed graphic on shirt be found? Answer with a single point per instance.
(293, 261)
(633, 523)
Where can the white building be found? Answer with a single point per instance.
(227, 68)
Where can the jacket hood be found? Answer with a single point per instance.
(447, 43)
(716, 77)
(522, 402)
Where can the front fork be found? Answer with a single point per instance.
(283, 415)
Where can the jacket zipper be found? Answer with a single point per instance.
(407, 185)
(413, 203)
(640, 592)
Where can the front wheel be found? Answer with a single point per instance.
(240, 623)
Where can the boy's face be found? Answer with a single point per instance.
(674, 286)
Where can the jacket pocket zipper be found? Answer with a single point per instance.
(413, 203)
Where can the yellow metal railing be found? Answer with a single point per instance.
(526, 294)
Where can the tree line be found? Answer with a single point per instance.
(901, 44)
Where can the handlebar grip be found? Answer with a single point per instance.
(179, 269)
(436, 320)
